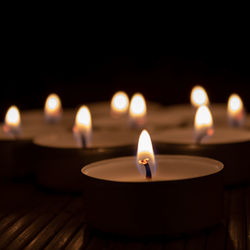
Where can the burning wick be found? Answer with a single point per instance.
(147, 167)
(200, 136)
(83, 141)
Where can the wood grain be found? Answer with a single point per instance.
(39, 220)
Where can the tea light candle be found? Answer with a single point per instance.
(16, 135)
(63, 153)
(198, 98)
(53, 108)
(15, 142)
(141, 115)
(119, 104)
(184, 194)
(51, 117)
(228, 145)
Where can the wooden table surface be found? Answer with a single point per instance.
(31, 218)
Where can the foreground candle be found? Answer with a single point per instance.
(183, 196)
(142, 196)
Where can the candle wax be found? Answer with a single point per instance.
(99, 139)
(169, 168)
(186, 136)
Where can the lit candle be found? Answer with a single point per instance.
(119, 104)
(137, 111)
(199, 97)
(12, 122)
(140, 115)
(83, 127)
(63, 153)
(203, 123)
(228, 145)
(53, 108)
(16, 151)
(184, 194)
(235, 111)
(52, 114)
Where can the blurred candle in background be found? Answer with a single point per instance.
(203, 123)
(119, 104)
(137, 111)
(53, 109)
(12, 122)
(199, 97)
(82, 129)
(235, 111)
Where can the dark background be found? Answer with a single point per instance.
(26, 81)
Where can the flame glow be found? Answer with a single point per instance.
(203, 123)
(83, 125)
(119, 103)
(53, 108)
(235, 109)
(199, 96)
(12, 123)
(137, 110)
(145, 151)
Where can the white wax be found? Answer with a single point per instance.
(169, 167)
(103, 108)
(186, 112)
(154, 120)
(28, 132)
(186, 136)
(36, 116)
(99, 139)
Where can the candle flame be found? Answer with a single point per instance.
(199, 96)
(145, 153)
(137, 110)
(235, 110)
(203, 123)
(83, 126)
(53, 108)
(119, 103)
(12, 123)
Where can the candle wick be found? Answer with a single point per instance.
(83, 141)
(199, 138)
(147, 167)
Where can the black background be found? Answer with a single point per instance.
(26, 80)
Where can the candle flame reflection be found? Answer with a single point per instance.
(235, 110)
(83, 126)
(119, 104)
(53, 108)
(145, 153)
(199, 97)
(12, 123)
(203, 123)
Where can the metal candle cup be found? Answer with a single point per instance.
(230, 146)
(60, 159)
(184, 196)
